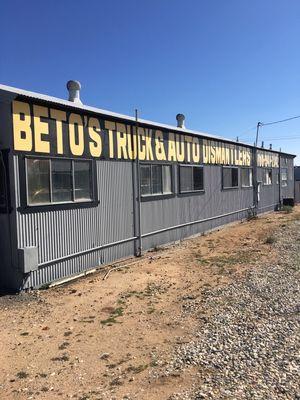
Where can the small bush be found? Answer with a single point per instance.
(270, 240)
(22, 375)
(287, 209)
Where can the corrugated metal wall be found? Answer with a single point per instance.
(159, 214)
(65, 232)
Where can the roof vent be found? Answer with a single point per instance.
(270, 146)
(180, 121)
(74, 91)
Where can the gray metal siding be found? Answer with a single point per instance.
(65, 232)
(269, 194)
(159, 214)
(297, 191)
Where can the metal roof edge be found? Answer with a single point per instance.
(83, 107)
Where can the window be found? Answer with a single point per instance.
(155, 179)
(230, 177)
(284, 177)
(190, 178)
(52, 181)
(246, 177)
(83, 181)
(267, 176)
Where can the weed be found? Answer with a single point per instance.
(118, 312)
(151, 310)
(270, 239)
(287, 209)
(60, 358)
(22, 375)
(138, 369)
(64, 345)
(202, 261)
(116, 382)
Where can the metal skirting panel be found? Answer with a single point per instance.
(64, 232)
(77, 265)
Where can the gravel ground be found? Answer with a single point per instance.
(249, 347)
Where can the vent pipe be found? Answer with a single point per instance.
(180, 121)
(270, 146)
(74, 91)
(262, 144)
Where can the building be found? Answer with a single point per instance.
(81, 187)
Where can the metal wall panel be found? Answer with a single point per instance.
(65, 232)
(159, 214)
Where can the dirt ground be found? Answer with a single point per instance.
(109, 339)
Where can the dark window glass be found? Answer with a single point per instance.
(230, 177)
(191, 178)
(2, 186)
(198, 178)
(235, 177)
(145, 172)
(38, 181)
(62, 185)
(186, 179)
(156, 179)
(227, 178)
(82, 180)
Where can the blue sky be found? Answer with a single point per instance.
(225, 64)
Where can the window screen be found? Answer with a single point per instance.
(246, 176)
(52, 181)
(155, 179)
(190, 178)
(230, 177)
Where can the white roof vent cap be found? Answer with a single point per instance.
(74, 91)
